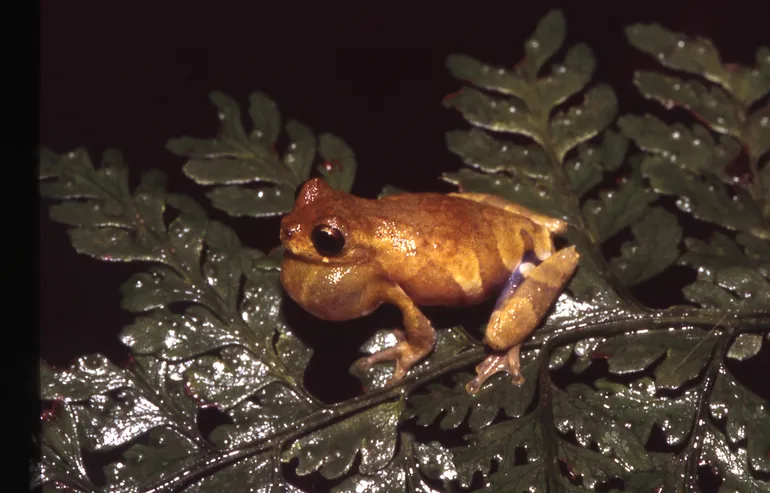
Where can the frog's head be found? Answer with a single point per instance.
(324, 226)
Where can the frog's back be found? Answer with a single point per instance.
(444, 249)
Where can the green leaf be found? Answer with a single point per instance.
(705, 198)
(61, 460)
(745, 346)
(592, 424)
(580, 123)
(258, 202)
(405, 472)
(339, 167)
(697, 56)
(731, 465)
(682, 148)
(227, 379)
(269, 411)
(300, 153)
(159, 287)
(748, 418)
(489, 155)
(466, 68)
(331, 450)
(165, 453)
(687, 351)
(265, 118)
(586, 170)
(617, 209)
(758, 137)
(176, 337)
(657, 235)
(497, 442)
(712, 105)
(545, 41)
(454, 404)
(252, 474)
(500, 115)
(638, 409)
(564, 80)
(88, 376)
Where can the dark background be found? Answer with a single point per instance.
(131, 77)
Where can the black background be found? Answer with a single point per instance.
(130, 76)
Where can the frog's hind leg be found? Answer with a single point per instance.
(518, 314)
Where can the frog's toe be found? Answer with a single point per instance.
(496, 363)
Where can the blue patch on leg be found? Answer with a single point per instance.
(514, 280)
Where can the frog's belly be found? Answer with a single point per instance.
(430, 286)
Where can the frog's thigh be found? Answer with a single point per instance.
(515, 317)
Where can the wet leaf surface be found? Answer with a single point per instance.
(213, 398)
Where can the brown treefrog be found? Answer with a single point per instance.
(346, 255)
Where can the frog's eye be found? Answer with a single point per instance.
(327, 240)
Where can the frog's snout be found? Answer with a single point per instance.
(288, 230)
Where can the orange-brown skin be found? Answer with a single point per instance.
(423, 249)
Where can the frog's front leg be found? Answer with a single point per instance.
(519, 312)
(414, 343)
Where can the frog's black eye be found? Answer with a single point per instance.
(328, 241)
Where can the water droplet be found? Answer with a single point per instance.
(696, 142)
(533, 43)
(675, 135)
(501, 71)
(504, 148)
(221, 115)
(661, 56)
(512, 109)
(677, 87)
(680, 44)
(764, 121)
(261, 194)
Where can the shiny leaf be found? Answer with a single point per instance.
(61, 460)
(655, 247)
(497, 114)
(88, 376)
(681, 147)
(593, 424)
(745, 346)
(332, 449)
(481, 151)
(339, 166)
(687, 352)
(748, 418)
(705, 198)
(227, 379)
(712, 104)
(404, 473)
(270, 410)
(758, 135)
(165, 453)
(617, 209)
(637, 408)
(731, 465)
(258, 473)
(454, 404)
(499, 442)
(580, 123)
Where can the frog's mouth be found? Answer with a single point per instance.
(350, 257)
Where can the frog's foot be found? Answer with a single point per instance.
(495, 363)
(405, 353)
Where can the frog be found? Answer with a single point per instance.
(346, 255)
